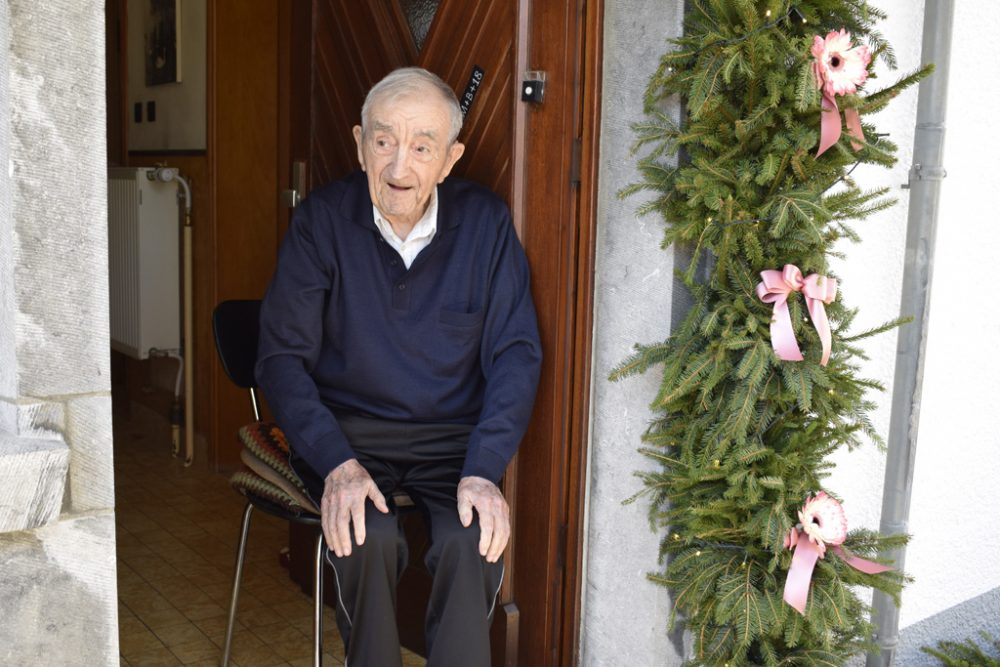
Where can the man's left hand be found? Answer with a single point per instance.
(494, 514)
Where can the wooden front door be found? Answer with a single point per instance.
(540, 158)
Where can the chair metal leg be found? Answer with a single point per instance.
(237, 578)
(318, 603)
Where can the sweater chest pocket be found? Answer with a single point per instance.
(461, 327)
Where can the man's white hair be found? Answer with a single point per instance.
(410, 81)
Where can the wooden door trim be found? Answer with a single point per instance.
(590, 61)
(559, 205)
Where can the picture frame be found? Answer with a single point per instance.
(162, 42)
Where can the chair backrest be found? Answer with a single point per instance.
(236, 324)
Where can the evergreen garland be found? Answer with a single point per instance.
(741, 436)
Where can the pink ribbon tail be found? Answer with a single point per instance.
(775, 288)
(853, 119)
(800, 573)
(829, 129)
(820, 290)
(860, 564)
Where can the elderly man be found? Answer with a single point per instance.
(399, 349)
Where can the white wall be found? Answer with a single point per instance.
(180, 107)
(956, 538)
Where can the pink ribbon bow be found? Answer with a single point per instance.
(829, 126)
(818, 290)
(804, 561)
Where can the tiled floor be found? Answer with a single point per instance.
(177, 531)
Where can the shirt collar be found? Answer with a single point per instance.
(425, 228)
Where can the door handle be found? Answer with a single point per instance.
(291, 197)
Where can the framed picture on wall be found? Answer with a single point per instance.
(163, 42)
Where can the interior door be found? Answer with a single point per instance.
(337, 51)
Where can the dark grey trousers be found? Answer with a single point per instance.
(425, 460)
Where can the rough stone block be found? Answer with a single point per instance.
(32, 481)
(33, 419)
(58, 594)
(59, 196)
(91, 468)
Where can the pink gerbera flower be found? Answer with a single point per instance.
(839, 68)
(824, 521)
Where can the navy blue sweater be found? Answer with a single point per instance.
(345, 326)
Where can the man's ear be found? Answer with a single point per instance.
(455, 151)
(357, 139)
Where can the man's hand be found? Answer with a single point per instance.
(494, 514)
(344, 493)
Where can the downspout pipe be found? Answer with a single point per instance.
(921, 230)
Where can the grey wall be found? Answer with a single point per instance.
(58, 602)
(956, 624)
(624, 615)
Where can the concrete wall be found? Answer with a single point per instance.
(58, 603)
(624, 615)
(957, 588)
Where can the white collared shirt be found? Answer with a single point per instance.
(418, 238)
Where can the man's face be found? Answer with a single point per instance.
(405, 154)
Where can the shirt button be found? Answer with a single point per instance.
(401, 286)
(393, 262)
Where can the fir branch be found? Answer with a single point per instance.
(882, 328)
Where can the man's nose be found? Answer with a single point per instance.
(400, 162)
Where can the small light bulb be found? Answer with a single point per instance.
(804, 20)
(831, 392)
(697, 553)
(768, 13)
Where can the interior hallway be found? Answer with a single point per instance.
(176, 544)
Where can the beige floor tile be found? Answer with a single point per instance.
(260, 617)
(196, 651)
(329, 660)
(293, 650)
(181, 633)
(280, 632)
(257, 657)
(199, 611)
(295, 610)
(161, 657)
(130, 626)
(163, 618)
(215, 628)
(177, 530)
(136, 643)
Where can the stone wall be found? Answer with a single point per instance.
(58, 602)
(624, 615)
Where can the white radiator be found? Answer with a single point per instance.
(144, 260)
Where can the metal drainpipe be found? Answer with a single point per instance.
(921, 228)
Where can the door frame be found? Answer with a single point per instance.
(559, 184)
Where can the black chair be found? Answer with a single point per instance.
(265, 483)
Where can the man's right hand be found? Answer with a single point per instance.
(344, 493)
